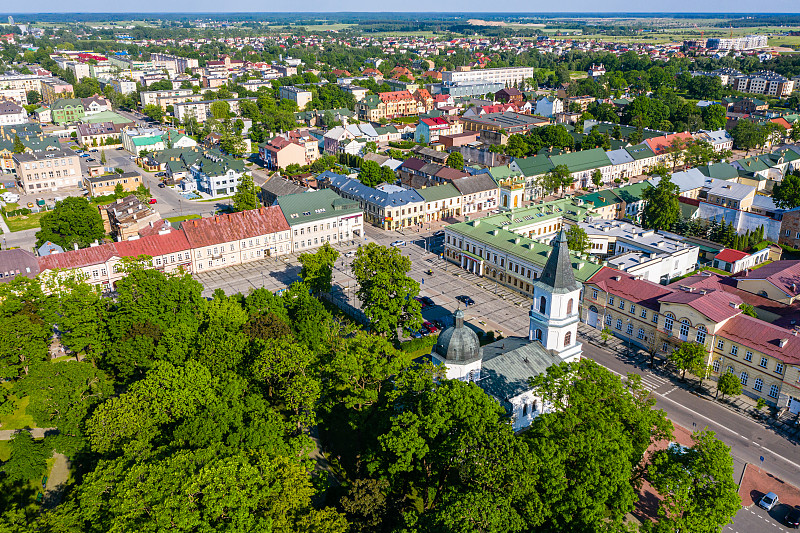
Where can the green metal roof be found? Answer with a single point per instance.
(720, 171)
(633, 192)
(640, 151)
(311, 206)
(517, 218)
(600, 198)
(583, 160)
(534, 166)
(519, 246)
(439, 192)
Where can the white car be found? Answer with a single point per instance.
(398, 243)
(10, 197)
(769, 501)
(351, 253)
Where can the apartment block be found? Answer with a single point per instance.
(49, 170)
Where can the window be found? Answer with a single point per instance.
(730, 370)
(668, 324)
(610, 300)
(701, 335)
(664, 347)
(734, 350)
(720, 344)
(608, 320)
(743, 378)
(763, 362)
(640, 334)
(759, 384)
(748, 356)
(773, 391)
(594, 294)
(542, 304)
(779, 368)
(684, 328)
(622, 304)
(715, 365)
(569, 307)
(644, 313)
(633, 309)
(629, 329)
(567, 339)
(655, 318)
(619, 324)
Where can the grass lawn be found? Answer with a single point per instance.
(5, 450)
(17, 419)
(11, 206)
(24, 222)
(181, 219)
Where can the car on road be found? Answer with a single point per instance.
(120, 147)
(30, 205)
(793, 518)
(466, 300)
(398, 243)
(430, 327)
(351, 253)
(93, 150)
(152, 201)
(769, 501)
(161, 185)
(85, 155)
(427, 300)
(160, 174)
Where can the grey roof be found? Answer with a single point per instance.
(557, 274)
(475, 184)
(383, 196)
(458, 344)
(729, 189)
(687, 180)
(619, 157)
(49, 248)
(279, 186)
(764, 202)
(48, 154)
(17, 262)
(509, 363)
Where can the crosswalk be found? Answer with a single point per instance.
(652, 382)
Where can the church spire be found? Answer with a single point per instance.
(557, 273)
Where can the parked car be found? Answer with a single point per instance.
(439, 233)
(351, 253)
(152, 201)
(93, 150)
(427, 301)
(793, 518)
(120, 147)
(160, 174)
(430, 326)
(161, 185)
(466, 300)
(398, 243)
(90, 159)
(439, 324)
(30, 205)
(421, 303)
(769, 501)
(133, 158)
(85, 155)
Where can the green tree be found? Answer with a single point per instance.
(662, 208)
(748, 310)
(103, 157)
(600, 426)
(317, 271)
(696, 484)
(28, 459)
(690, 356)
(23, 344)
(154, 112)
(385, 290)
(786, 194)
(220, 110)
(370, 173)
(18, 146)
(455, 160)
(142, 193)
(119, 191)
(556, 179)
(246, 196)
(34, 97)
(577, 239)
(729, 385)
(597, 178)
(82, 313)
(747, 135)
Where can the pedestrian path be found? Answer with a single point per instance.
(652, 382)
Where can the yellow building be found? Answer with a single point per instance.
(102, 185)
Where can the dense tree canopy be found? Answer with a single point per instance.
(73, 221)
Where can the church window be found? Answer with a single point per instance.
(668, 324)
(684, 328)
(542, 304)
(568, 339)
(569, 307)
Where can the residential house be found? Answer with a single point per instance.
(319, 217)
(277, 186)
(11, 113)
(17, 262)
(279, 152)
(478, 193)
(735, 261)
(106, 184)
(547, 106)
(67, 110)
(217, 174)
(441, 202)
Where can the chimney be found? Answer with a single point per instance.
(75, 245)
(783, 342)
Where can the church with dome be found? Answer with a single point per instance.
(502, 369)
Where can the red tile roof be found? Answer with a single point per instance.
(94, 255)
(716, 305)
(661, 144)
(395, 96)
(234, 226)
(154, 245)
(624, 285)
(730, 256)
(785, 275)
(763, 336)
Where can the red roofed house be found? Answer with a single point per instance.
(509, 95)
(663, 146)
(424, 100)
(735, 261)
(398, 103)
(779, 281)
(279, 152)
(396, 72)
(372, 72)
(764, 356)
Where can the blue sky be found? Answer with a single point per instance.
(155, 6)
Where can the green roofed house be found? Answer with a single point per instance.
(632, 200)
(67, 110)
(719, 171)
(604, 204)
(494, 252)
(532, 168)
(582, 164)
(317, 217)
(440, 202)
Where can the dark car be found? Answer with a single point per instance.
(430, 327)
(793, 518)
(427, 301)
(421, 303)
(439, 324)
(439, 233)
(466, 300)
(161, 185)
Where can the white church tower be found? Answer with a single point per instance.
(556, 296)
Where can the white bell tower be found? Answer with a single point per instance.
(556, 297)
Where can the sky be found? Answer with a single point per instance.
(455, 6)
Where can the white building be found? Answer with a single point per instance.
(506, 76)
(547, 106)
(12, 113)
